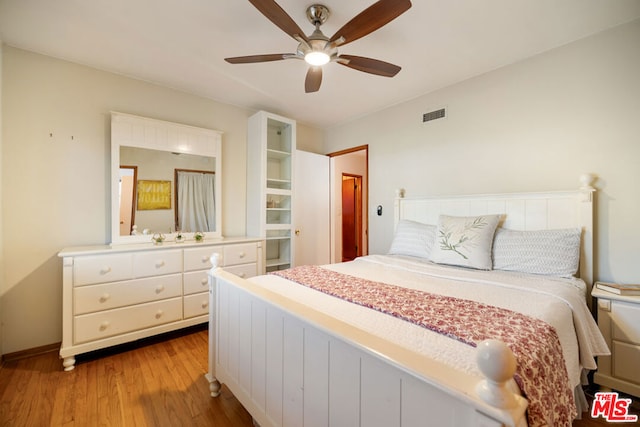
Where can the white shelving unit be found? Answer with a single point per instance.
(271, 144)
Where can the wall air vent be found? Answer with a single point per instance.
(433, 115)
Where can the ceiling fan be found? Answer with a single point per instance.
(318, 49)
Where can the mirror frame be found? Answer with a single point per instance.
(128, 130)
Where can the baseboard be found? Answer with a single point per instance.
(30, 352)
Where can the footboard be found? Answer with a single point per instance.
(292, 366)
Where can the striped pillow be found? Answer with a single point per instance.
(547, 252)
(413, 239)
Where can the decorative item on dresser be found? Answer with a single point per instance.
(619, 322)
(323, 354)
(113, 295)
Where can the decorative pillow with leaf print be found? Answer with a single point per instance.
(465, 241)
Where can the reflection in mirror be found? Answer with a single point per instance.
(157, 149)
(195, 200)
(158, 165)
(127, 190)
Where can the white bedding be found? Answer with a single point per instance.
(558, 301)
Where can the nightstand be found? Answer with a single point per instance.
(619, 322)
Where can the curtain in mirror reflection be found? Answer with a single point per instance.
(196, 208)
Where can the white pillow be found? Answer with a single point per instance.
(465, 241)
(413, 239)
(548, 252)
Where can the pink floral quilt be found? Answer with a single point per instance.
(541, 372)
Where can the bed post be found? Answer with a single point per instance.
(214, 384)
(396, 206)
(498, 365)
(586, 218)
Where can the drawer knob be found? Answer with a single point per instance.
(159, 314)
(106, 269)
(242, 254)
(204, 281)
(205, 259)
(159, 289)
(104, 325)
(204, 304)
(159, 263)
(243, 275)
(105, 297)
(604, 304)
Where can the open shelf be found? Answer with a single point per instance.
(271, 143)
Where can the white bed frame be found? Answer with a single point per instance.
(292, 366)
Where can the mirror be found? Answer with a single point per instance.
(153, 165)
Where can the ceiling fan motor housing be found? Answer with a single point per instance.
(318, 14)
(317, 51)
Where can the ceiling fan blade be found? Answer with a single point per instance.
(370, 19)
(278, 16)
(313, 80)
(258, 58)
(368, 65)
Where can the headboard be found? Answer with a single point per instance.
(522, 211)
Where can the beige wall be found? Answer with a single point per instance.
(1, 222)
(55, 174)
(532, 126)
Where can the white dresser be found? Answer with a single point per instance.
(619, 322)
(113, 295)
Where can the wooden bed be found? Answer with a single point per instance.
(292, 365)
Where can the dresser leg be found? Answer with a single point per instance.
(69, 363)
(214, 387)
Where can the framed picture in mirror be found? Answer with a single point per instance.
(154, 195)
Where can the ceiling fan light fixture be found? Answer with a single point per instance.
(317, 58)
(317, 49)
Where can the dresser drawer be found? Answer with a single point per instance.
(103, 324)
(87, 299)
(196, 305)
(244, 270)
(154, 263)
(626, 318)
(625, 361)
(195, 282)
(240, 254)
(199, 258)
(102, 268)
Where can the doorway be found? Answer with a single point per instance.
(128, 184)
(347, 165)
(351, 216)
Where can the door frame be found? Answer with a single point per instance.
(134, 193)
(336, 229)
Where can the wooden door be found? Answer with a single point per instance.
(351, 216)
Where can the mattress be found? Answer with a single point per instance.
(560, 302)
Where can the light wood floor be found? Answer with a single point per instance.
(154, 382)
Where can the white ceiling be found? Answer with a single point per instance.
(182, 44)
